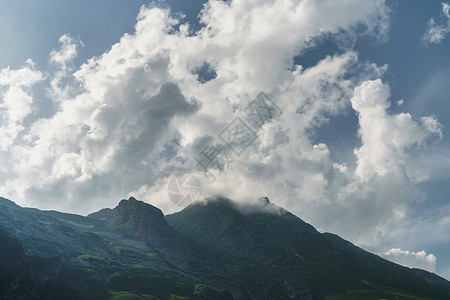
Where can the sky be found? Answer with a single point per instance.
(335, 110)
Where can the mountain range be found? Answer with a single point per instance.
(212, 249)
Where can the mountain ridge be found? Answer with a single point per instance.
(212, 249)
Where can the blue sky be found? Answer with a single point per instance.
(80, 133)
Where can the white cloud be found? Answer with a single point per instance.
(61, 84)
(136, 114)
(437, 32)
(16, 100)
(22, 78)
(420, 259)
(128, 119)
(68, 51)
(385, 137)
(431, 126)
(115, 119)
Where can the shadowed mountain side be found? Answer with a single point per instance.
(270, 240)
(213, 249)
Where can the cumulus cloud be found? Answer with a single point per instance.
(411, 259)
(25, 77)
(377, 192)
(385, 137)
(62, 84)
(437, 32)
(67, 52)
(16, 100)
(129, 119)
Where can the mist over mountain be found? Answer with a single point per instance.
(212, 249)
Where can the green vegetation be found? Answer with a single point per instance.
(119, 226)
(89, 270)
(101, 259)
(195, 254)
(374, 295)
(202, 291)
(175, 297)
(130, 296)
(153, 255)
(141, 267)
(113, 276)
(89, 256)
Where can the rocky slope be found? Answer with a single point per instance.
(210, 250)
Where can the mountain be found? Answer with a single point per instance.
(212, 249)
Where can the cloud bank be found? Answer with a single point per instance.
(412, 259)
(126, 121)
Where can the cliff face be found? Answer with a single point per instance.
(144, 220)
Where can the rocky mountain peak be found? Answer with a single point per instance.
(133, 208)
(139, 217)
(213, 249)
